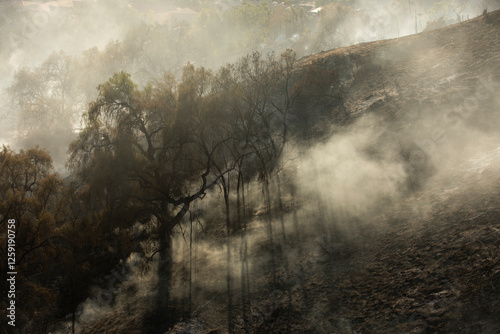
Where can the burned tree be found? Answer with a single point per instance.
(157, 155)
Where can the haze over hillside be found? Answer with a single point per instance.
(164, 36)
(204, 185)
(393, 224)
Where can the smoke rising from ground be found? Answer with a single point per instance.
(351, 172)
(347, 184)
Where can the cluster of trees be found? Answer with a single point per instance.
(145, 156)
(29, 35)
(31, 196)
(49, 99)
(251, 24)
(60, 249)
(153, 152)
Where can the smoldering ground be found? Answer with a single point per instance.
(337, 194)
(348, 189)
(345, 190)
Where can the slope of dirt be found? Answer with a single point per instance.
(435, 271)
(437, 275)
(419, 71)
(438, 272)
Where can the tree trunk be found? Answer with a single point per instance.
(246, 274)
(284, 251)
(164, 272)
(73, 321)
(243, 248)
(269, 218)
(281, 209)
(230, 322)
(190, 302)
(165, 261)
(298, 240)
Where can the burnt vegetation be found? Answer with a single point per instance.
(352, 191)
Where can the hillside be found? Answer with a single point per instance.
(436, 271)
(419, 71)
(425, 261)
